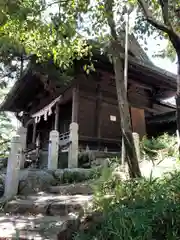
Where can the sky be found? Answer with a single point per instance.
(165, 63)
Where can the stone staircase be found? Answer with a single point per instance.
(51, 214)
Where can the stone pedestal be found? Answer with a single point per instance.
(73, 148)
(53, 151)
(137, 145)
(22, 132)
(13, 168)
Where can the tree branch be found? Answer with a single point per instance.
(51, 4)
(110, 19)
(148, 15)
(165, 12)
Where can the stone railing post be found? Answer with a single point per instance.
(13, 168)
(137, 145)
(73, 148)
(22, 132)
(53, 150)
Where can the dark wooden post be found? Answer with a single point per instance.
(34, 133)
(75, 104)
(56, 121)
(98, 114)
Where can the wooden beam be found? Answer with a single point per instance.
(167, 105)
(140, 85)
(95, 139)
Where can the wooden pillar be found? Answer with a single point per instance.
(56, 122)
(98, 115)
(138, 121)
(34, 133)
(75, 104)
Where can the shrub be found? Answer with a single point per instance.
(141, 209)
(160, 147)
(80, 176)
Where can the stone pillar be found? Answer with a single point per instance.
(53, 151)
(137, 145)
(13, 168)
(106, 149)
(22, 132)
(73, 148)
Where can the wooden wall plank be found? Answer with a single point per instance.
(138, 121)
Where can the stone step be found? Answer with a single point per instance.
(37, 227)
(48, 204)
(72, 189)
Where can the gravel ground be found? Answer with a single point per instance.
(167, 165)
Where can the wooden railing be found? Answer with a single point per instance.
(32, 156)
(64, 138)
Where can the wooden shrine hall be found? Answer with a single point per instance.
(45, 99)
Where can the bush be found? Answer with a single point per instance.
(80, 176)
(160, 147)
(141, 209)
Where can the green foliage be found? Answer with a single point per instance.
(80, 176)
(160, 147)
(16, 16)
(142, 209)
(55, 38)
(84, 158)
(6, 131)
(161, 20)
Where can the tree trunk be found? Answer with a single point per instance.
(123, 105)
(175, 40)
(178, 103)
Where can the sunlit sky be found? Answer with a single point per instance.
(165, 63)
